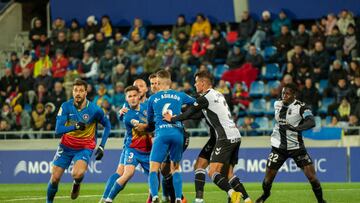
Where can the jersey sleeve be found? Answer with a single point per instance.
(104, 120)
(61, 119)
(187, 99)
(305, 111)
(199, 104)
(150, 111)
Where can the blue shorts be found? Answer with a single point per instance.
(167, 141)
(135, 157)
(122, 157)
(64, 155)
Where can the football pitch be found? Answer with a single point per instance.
(137, 193)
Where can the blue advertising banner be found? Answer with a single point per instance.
(355, 164)
(35, 166)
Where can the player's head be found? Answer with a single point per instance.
(203, 81)
(288, 93)
(79, 91)
(143, 89)
(153, 83)
(163, 80)
(132, 96)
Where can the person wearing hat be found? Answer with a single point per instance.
(263, 29)
(21, 118)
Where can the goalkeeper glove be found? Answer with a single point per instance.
(99, 152)
(80, 126)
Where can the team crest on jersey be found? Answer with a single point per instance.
(86, 117)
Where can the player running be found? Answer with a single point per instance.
(221, 149)
(77, 122)
(292, 117)
(169, 138)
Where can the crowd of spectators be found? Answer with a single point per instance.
(37, 81)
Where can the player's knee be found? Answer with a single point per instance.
(55, 179)
(77, 174)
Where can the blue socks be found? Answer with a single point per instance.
(115, 190)
(177, 183)
(51, 191)
(109, 184)
(153, 183)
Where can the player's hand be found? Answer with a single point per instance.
(289, 127)
(80, 126)
(123, 111)
(167, 117)
(99, 152)
(141, 127)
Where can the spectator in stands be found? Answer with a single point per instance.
(75, 28)
(26, 83)
(122, 57)
(106, 64)
(137, 29)
(4, 126)
(133, 75)
(289, 70)
(151, 41)
(250, 126)
(57, 95)
(185, 75)
(319, 62)
(171, 62)
(6, 114)
(119, 41)
(180, 26)
(120, 75)
(21, 119)
(165, 41)
(310, 95)
(91, 93)
(235, 57)
(315, 36)
(300, 58)
(341, 91)
(90, 30)
(240, 98)
(334, 122)
(38, 117)
(13, 63)
(302, 74)
(336, 73)
(334, 43)
(37, 29)
(8, 84)
(135, 49)
(118, 99)
(354, 95)
(41, 95)
(59, 66)
(353, 121)
(254, 58)
(283, 45)
(354, 70)
(330, 24)
(345, 19)
(101, 95)
(99, 46)
(278, 23)
(44, 78)
(344, 109)
(350, 43)
(75, 48)
(301, 37)
(201, 25)
(217, 50)
(107, 108)
(43, 46)
(59, 43)
(50, 116)
(106, 27)
(152, 62)
(183, 46)
(199, 48)
(224, 88)
(287, 79)
(89, 68)
(188, 89)
(246, 27)
(26, 61)
(57, 27)
(263, 30)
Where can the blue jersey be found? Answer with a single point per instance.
(166, 101)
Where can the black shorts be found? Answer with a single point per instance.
(277, 157)
(208, 148)
(226, 151)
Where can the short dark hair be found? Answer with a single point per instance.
(292, 87)
(79, 82)
(131, 88)
(205, 75)
(152, 75)
(163, 74)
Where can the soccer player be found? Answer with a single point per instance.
(221, 150)
(77, 121)
(169, 138)
(292, 117)
(138, 144)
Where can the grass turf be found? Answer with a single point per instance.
(137, 193)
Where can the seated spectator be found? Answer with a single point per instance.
(171, 62)
(180, 26)
(120, 75)
(283, 45)
(310, 95)
(137, 29)
(235, 57)
(135, 49)
(183, 46)
(99, 46)
(41, 95)
(59, 66)
(165, 41)
(354, 70)
(263, 30)
(101, 95)
(344, 109)
(57, 95)
(7, 115)
(302, 74)
(57, 27)
(316, 35)
(91, 92)
(334, 122)
(320, 62)
(330, 24)
(21, 119)
(152, 62)
(289, 70)
(199, 48)
(112, 115)
(287, 79)
(4, 126)
(26, 83)
(106, 27)
(26, 61)
(122, 57)
(353, 122)
(118, 99)
(340, 91)
(8, 84)
(278, 23)
(301, 37)
(350, 43)
(151, 41)
(345, 19)
(37, 29)
(13, 63)
(89, 68)
(300, 58)
(254, 58)
(75, 48)
(90, 30)
(188, 89)
(224, 89)
(42, 47)
(250, 126)
(240, 98)
(38, 117)
(119, 41)
(106, 64)
(201, 25)
(185, 75)
(334, 43)
(218, 47)
(44, 78)
(336, 73)
(354, 95)
(50, 116)
(75, 28)
(246, 27)
(59, 43)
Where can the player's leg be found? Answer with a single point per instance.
(176, 152)
(81, 160)
(121, 182)
(200, 175)
(167, 187)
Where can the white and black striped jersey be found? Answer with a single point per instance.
(293, 114)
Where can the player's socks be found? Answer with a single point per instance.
(115, 190)
(266, 188)
(221, 182)
(167, 186)
(200, 182)
(177, 183)
(109, 184)
(238, 186)
(51, 191)
(316, 187)
(153, 184)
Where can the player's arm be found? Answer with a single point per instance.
(201, 103)
(61, 119)
(307, 123)
(105, 122)
(197, 116)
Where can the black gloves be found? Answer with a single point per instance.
(99, 152)
(80, 126)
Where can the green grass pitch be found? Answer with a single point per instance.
(137, 193)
